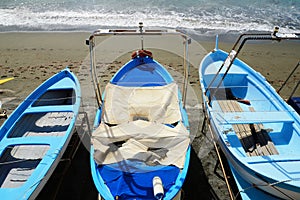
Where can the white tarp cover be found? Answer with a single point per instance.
(125, 104)
(140, 115)
(151, 142)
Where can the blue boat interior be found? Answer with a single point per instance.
(56, 97)
(132, 179)
(123, 178)
(40, 126)
(245, 100)
(16, 167)
(142, 72)
(33, 135)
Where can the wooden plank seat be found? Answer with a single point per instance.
(242, 117)
(253, 137)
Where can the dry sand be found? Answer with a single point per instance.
(31, 58)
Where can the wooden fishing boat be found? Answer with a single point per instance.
(140, 145)
(256, 129)
(36, 134)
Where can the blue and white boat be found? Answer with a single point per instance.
(140, 143)
(256, 129)
(36, 134)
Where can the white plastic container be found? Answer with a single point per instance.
(158, 188)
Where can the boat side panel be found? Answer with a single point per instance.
(254, 174)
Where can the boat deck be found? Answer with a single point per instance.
(28, 142)
(51, 124)
(19, 162)
(253, 137)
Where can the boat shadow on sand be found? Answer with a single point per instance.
(72, 178)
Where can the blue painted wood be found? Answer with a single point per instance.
(141, 72)
(36, 134)
(295, 103)
(276, 174)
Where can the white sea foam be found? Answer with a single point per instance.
(196, 16)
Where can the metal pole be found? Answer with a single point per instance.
(186, 69)
(294, 90)
(141, 31)
(273, 36)
(221, 163)
(93, 72)
(278, 91)
(233, 48)
(239, 49)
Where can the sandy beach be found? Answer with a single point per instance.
(32, 57)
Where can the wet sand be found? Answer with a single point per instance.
(31, 58)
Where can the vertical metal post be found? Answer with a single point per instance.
(221, 163)
(186, 65)
(292, 72)
(294, 90)
(141, 31)
(93, 72)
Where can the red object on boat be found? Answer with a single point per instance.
(141, 53)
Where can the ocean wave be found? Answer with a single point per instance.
(204, 21)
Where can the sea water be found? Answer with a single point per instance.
(203, 17)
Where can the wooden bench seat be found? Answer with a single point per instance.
(253, 137)
(244, 117)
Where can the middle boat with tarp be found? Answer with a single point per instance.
(141, 142)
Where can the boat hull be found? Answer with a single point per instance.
(255, 180)
(140, 73)
(275, 172)
(36, 134)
